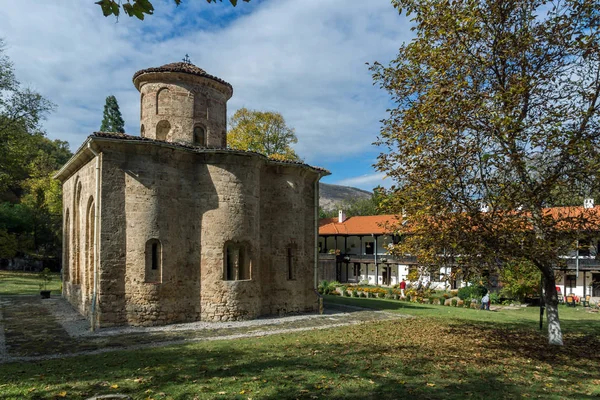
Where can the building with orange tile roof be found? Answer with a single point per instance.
(355, 249)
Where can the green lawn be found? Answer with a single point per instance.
(443, 353)
(576, 320)
(12, 282)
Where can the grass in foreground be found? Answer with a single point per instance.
(12, 282)
(421, 358)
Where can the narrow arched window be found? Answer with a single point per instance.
(90, 231)
(290, 264)
(199, 136)
(67, 247)
(153, 261)
(77, 237)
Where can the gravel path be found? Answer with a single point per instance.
(31, 324)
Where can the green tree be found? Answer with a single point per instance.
(138, 8)
(112, 120)
(496, 108)
(31, 216)
(264, 132)
(520, 279)
(21, 111)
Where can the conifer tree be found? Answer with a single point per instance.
(112, 120)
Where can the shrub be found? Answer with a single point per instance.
(323, 287)
(355, 293)
(454, 302)
(431, 300)
(472, 291)
(343, 291)
(381, 295)
(494, 298)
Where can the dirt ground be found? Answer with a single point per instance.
(32, 328)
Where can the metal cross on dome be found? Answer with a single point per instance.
(186, 59)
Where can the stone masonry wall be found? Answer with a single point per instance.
(151, 193)
(183, 102)
(78, 251)
(287, 230)
(236, 180)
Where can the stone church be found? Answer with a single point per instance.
(172, 226)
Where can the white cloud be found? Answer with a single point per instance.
(367, 182)
(305, 59)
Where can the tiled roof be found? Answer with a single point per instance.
(383, 224)
(359, 225)
(123, 136)
(186, 68)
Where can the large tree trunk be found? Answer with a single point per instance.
(551, 300)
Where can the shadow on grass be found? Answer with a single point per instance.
(374, 304)
(280, 369)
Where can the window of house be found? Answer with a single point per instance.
(236, 262)
(153, 261)
(434, 275)
(370, 248)
(356, 269)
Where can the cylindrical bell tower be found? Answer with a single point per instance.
(182, 103)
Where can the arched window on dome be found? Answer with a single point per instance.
(199, 135)
(162, 130)
(163, 101)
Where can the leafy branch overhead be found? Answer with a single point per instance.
(137, 8)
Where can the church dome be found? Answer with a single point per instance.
(179, 67)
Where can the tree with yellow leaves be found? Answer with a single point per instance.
(264, 132)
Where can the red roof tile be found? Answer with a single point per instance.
(383, 224)
(359, 225)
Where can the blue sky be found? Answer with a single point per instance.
(303, 58)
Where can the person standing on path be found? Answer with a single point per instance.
(485, 302)
(402, 287)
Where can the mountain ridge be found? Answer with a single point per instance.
(331, 195)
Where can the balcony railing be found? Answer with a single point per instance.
(583, 263)
(369, 258)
